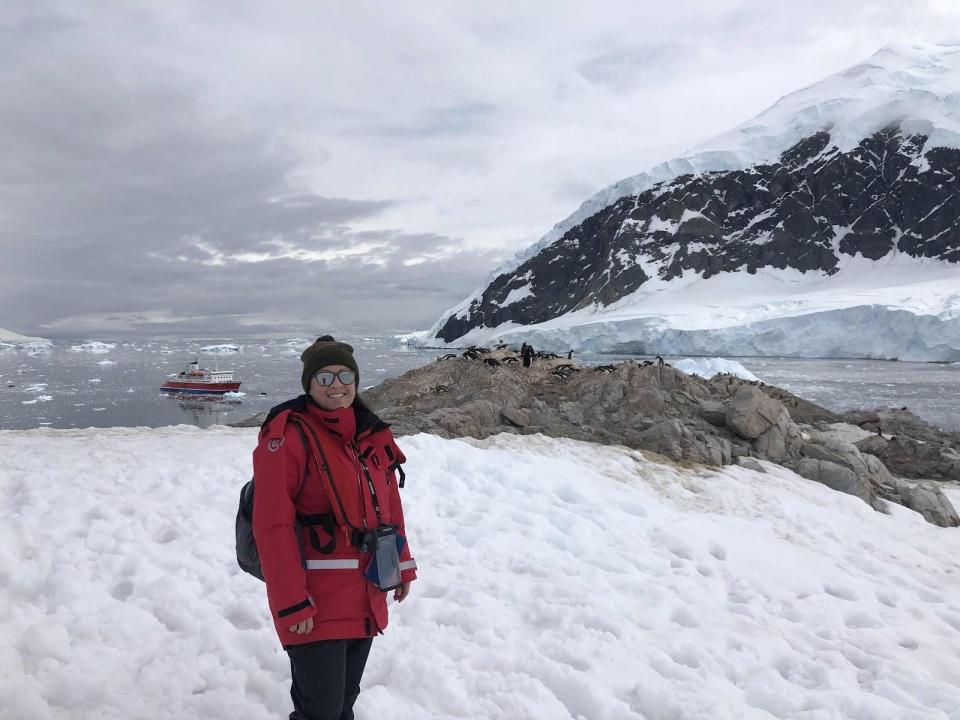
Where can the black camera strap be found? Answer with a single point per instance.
(373, 490)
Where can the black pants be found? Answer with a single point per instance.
(326, 678)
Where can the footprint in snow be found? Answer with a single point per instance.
(840, 592)
(951, 620)
(859, 620)
(122, 590)
(166, 535)
(242, 618)
(718, 551)
(682, 616)
(929, 596)
(888, 598)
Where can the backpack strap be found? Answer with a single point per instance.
(325, 520)
(306, 461)
(323, 467)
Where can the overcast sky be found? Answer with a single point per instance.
(297, 167)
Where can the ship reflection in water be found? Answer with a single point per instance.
(207, 410)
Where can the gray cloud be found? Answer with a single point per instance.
(447, 120)
(131, 196)
(174, 167)
(624, 68)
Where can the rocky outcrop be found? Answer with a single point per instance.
(900, 422)
(655, 408)
(914, 458)
(683, 418)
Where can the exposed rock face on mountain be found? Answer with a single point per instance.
(804, 212)
(657, 408)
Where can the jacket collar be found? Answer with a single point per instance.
(349, 423)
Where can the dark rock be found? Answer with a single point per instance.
(751, 464)
(752, 412)
(714, 412)
(914, 458)
(517, 418)
(929, 500)
(835, 476)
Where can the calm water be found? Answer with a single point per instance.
(69, 387)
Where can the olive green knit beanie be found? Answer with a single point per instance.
(326, 351)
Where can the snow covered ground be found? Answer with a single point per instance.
(558, 580)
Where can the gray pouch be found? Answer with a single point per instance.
(384, 568)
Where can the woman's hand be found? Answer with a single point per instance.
(302, 628)
(401, 592)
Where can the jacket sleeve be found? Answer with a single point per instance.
(278, 466)
(408, 566)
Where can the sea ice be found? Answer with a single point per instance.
(224, 349)
(92, 346)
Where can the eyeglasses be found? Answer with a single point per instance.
(347, 377)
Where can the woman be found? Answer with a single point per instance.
(326, 470)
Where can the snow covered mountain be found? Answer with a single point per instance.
(829, 225)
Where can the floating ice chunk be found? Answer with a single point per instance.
(94, 380)
(235, 395)
(708, 367)
(37, 399)
(220, 349)
(36, 387)
(106, 362)
(92, 346)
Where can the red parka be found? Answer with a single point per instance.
(332, 588)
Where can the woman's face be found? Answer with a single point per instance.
(337, 395)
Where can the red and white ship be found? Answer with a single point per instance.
(197, 380)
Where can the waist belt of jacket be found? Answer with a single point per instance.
(340, 513)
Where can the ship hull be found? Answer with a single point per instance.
(199, 388)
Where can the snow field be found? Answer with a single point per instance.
(557, 580)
